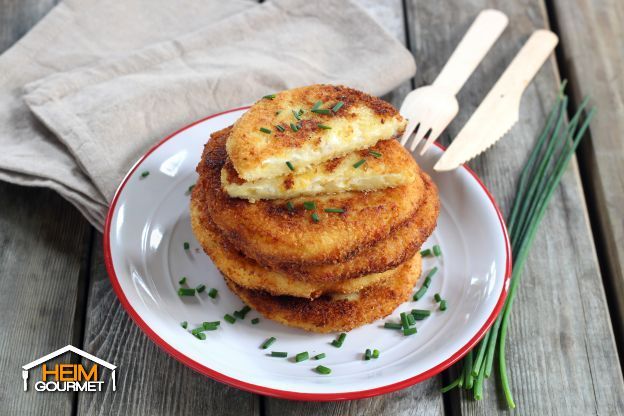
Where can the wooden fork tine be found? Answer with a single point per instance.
(430, 140)
(418, 136)
(411, 125)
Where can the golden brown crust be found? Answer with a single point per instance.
(386, 254)
(328, 314)
(267, 232)
(250, 149)
(249, 274)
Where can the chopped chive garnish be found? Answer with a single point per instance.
(338, 341)
(200, 335)
(427, 281)
(317, 105)
(186, 245)
(293, 127)
(290, 206)
(269, 97)
(213, 293)
(182, 281)
(266, 344)
(280, 128)
(437, 297)
(211, 324)
(323, 126)
(437, 251)
(392, 325)
(190, 188)
(375, 154)
(297, 115)
(309, 205)
(367, 354)
(200, 288)
(229, 318)
(184, 324)
(359, 163)
(315, 217)
(404, 321)
(265, 130)
(338, 106)
(290, 166)
(420, 293)
(410, 319)
(375, 353)
(302, 356)
(443, 305)
(337, 210)
(321, 111)
(255, 321)
(300, 112)
(210, 327)
(321, 369)
(186, 291)
(432, 272)
(319, 356)
(425, 253)
(420, 314)
(197, 330)
(145, 174)
(242, 313)
(409, 331)
(279, 354)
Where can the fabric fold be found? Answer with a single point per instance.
(105, 113)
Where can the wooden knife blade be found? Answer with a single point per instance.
(500, 109)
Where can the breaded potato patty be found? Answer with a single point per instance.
(333, 313)
(250, 275)
(307, 126)
(384, 255)
(385, 165)
(276, 234)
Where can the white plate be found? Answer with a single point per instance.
(149, 222)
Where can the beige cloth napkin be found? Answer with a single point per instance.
(119, 102)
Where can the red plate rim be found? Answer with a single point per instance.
(285, 394)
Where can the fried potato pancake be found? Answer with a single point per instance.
(270, 233)
(332, 313)
(384, 255)
(250, 275)
(386, 165)
(322, 129)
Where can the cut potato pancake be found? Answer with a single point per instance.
(332, 313)
(384, 255)
(250, 275)
(273, 234)
(307, 126)
(386, 165)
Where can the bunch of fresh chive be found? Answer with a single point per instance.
(539, 179)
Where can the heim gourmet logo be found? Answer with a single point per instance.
(69, 377)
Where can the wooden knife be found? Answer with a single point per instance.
(500, 109)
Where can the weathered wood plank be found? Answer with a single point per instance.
(390, 15)
(592, 50)
(149, 382)
(43, 242)
(424, 397)
(561, 354)
(18, 16)
(43, 248)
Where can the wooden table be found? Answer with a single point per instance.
(562, 352)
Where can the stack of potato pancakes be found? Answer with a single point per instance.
(312, 210)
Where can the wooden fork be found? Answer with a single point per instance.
(431, 108)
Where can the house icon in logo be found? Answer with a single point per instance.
(84, 354)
